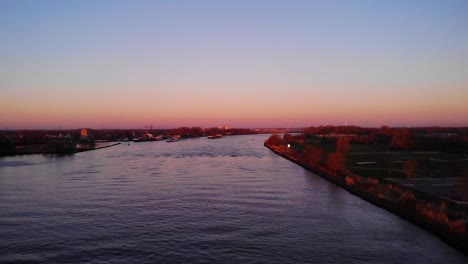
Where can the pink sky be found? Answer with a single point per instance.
(236, 63)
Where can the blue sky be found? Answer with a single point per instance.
(127, 63)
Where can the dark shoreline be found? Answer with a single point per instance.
(458, 243)
(41, 149)
(100, 147)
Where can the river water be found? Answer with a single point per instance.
(227, 200)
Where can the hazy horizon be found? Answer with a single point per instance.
(245, 64)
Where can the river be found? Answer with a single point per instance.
(227, 200)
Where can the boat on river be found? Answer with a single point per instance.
(215, 136)
(144, 138)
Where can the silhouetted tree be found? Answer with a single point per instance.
(274, 140)
(401, 139)
(313, 156)
(343, 145)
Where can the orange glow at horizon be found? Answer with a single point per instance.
(251, 116)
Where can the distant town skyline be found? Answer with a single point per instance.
(131, 64)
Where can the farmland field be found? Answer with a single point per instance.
(435, 173)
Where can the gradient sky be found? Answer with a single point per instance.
(131, 64)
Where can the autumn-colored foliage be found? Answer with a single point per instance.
(336, 160)
(407, 197)
(352, 179)
(372, 181)
(274, 140)
(343, 144)
(313, 156)
(401, 138)
(438, 214)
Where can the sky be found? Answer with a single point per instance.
(131, 64)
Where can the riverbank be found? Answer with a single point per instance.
(55, 148)
(97, 146)
(406, 204)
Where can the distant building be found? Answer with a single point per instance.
(86, 134)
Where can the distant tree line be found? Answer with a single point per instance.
(9, 138)
(453, 140)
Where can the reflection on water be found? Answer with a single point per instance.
(229, 200)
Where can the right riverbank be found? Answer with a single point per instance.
(447, 221)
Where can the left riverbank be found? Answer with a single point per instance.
(55, 148)
(96, 146)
